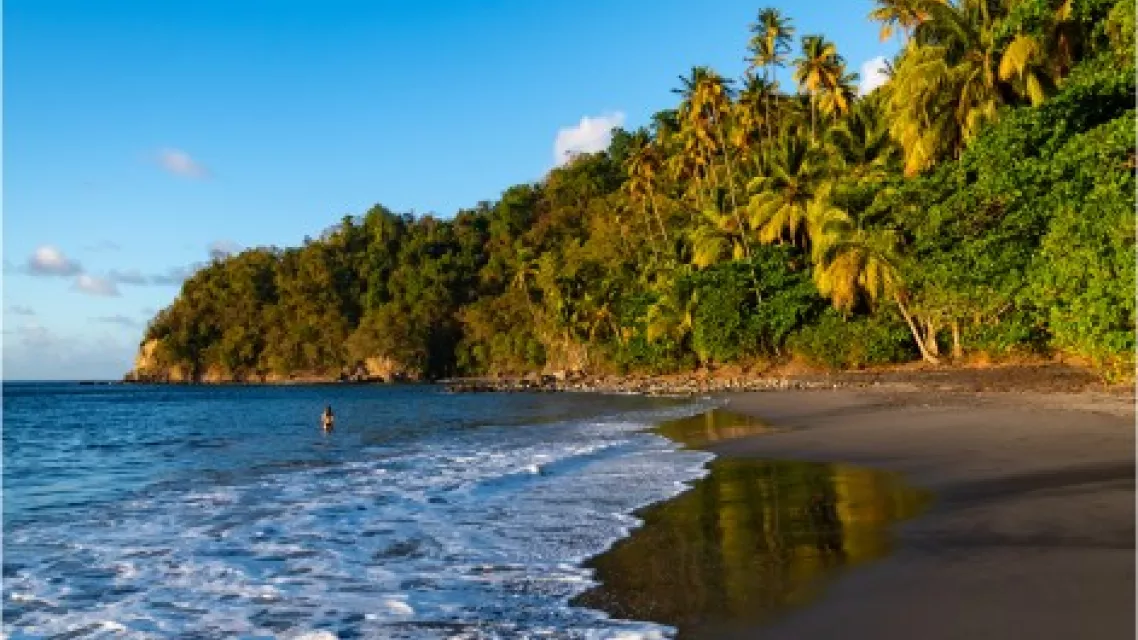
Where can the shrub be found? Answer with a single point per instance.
(836, 342)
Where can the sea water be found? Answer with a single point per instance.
(222, 512)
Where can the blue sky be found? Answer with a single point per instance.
(140, 135)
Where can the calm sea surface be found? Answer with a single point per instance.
(222, 512)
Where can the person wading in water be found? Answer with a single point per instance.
(327, 418)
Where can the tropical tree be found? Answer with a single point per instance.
(643, 169)
(853, 265)
(945, 87)
(1047, 41)
(836, 100)
(770, 44)
(719, 236)
(819, 68)
(793, 175)
(862, 142)
(905, 15)
(703, 112)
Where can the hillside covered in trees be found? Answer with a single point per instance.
(980, 203)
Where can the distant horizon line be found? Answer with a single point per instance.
(7, 380)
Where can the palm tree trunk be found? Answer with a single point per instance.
(957, 348)
(931, 329)
(731, 191)
(813, 117)
(656, 214)
(928, 357)
(767, 104)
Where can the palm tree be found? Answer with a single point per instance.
(671, 316)
(862, 142)
(642, 167)
(526, 271)
(1036, 62)
(904, 14)
(769, 46)
(1025, 64)
(720, 236)
(705, 111)
(752, 114)
(793, 175)
(945, 87)
(852, 264)
(698, 143)
(819, 67)
(836, 100)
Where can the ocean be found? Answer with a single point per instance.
(225, 512)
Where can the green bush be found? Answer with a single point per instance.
(836, 342)
(750, 308)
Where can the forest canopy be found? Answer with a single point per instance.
(978, 204)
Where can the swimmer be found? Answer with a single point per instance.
(327, 418)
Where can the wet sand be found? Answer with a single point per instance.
(1033, 530)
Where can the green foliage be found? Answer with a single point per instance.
(707, 236)
(1084, 275)
(837, 342)
(747, 309)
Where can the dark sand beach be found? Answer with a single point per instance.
(1032, 531)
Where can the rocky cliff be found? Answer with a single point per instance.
(149, 368)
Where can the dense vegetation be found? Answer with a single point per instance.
(979, 203)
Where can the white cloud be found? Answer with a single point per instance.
(134, 277)
(180, 163)
(35, 352)
(33, 334)
(220, 249)
(590, 135)
(120, 320)
(176, 275)
(873, 75)
(49, 261)
(130, 276)
(95, 285)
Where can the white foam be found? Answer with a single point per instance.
(399, 607)
(485, 527)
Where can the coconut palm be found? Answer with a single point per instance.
(671, 316)
(1025, 64)
(862, 141)
(1036, 62)
(705, 114)
(945, 87)
(836, 100)
(905, 15)
(643, 167)
(752, 119)
(719, 236)
(793, 175)
(853, 265)
(818, 68)
(770, 45)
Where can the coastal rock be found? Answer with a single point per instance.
(215, 374)
(148, 367)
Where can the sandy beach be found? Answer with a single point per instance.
(1033, 530)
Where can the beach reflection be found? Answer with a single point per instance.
(712, 426)
(750, 540)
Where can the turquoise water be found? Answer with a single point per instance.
(221, 512)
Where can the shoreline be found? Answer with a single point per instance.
(750, 540)
(918, 377)
(1037, 376)
(1032, 531)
